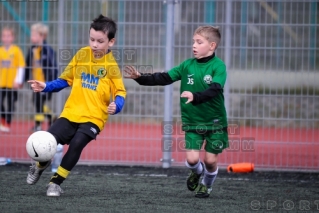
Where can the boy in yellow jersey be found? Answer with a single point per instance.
(11, 76)
(42, 66)
(95, 79)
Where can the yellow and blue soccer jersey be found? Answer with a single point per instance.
(94, 82)
(10, 60)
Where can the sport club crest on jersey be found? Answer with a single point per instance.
(101, 73)
(208, 79)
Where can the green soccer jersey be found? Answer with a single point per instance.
(197, 77)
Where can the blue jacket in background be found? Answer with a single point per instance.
(48, 62)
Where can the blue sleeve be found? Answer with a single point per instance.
(56, 85)
(119, 102)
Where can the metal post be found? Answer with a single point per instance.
(45, 11)
(59, 103)
(75, 27)
(23, 12)
(243, 34)
(227, 48)
(169, 61)
(313, 35)
(279, 39)
(121, 30)
(210, 12)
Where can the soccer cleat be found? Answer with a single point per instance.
(35, 173)
(203, 191)
(193, 180)
(54, 190)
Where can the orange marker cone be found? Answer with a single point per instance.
(241, 167)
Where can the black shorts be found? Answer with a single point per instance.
(64, 130)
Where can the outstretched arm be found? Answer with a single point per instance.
(148, 79)
(50, 86)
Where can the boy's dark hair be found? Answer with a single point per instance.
(104, 24)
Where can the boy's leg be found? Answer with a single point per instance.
(48, 113)
(193, 162)
(210, 161)
(12, 98)
(193, 144)
(71, 157)
(46, 109)
(3, 110)
(65, 133)
(38, 117)
(210, 174)
(216, 142)
(81, 138)
(36, 171)
(196, 166)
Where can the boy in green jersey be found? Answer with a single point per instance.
(202, 106)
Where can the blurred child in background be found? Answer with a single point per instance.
(11, 76)
(42, 66)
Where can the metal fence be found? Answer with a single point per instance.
(270, 49)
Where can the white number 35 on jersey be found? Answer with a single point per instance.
(190, 81)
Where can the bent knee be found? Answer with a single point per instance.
(210, 163)
(192, 157)
(192, 161)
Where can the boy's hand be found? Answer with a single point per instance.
(37, 86)
(188, 95)
(111, 108)
(131, 72)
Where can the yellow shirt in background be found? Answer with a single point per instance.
(37, 72)
(94, 82)
(10, 60)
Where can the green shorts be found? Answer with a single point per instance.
(216, 142)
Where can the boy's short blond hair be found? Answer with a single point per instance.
(42, 29)
(211, 33)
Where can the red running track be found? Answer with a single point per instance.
(132, 143)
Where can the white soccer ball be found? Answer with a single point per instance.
(41, 146)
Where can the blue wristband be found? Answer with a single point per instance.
(56, 85)
(119, 102)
